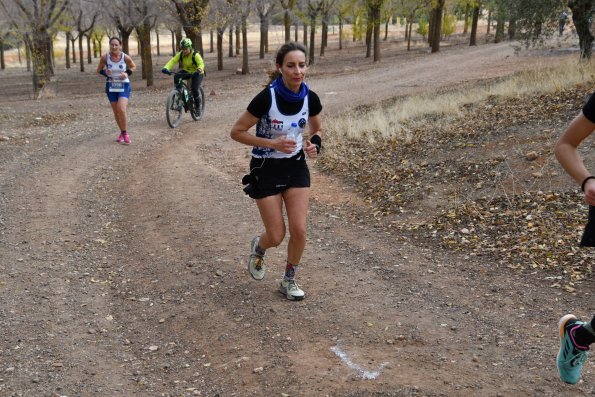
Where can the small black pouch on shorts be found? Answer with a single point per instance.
(250, 181)
(588, 239)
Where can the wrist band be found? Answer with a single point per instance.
(103, 72)
(315, 139)
(585, 181)
(128, 72)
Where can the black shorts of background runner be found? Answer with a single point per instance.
(588, 239)
(269, 176)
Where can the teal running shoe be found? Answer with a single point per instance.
(570, 359)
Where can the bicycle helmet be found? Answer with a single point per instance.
(186, 43)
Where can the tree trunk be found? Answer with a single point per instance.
(386, 30)
(230, 54)
(238, 31)
(42, 72)
(295, 31)
(500, 21)
(409, 36)
(199, 45)
(266, 37)
(287, 24)
(437, 31)
(377, 37)
(369, 33)
(245, 67)
(312, 36)
(28, 53)
(2, 62)
(147, 53)
(581, 12)
(466, 22)
(473, 38)
(73, 42)
(81, 55)
(158, 43)
(89, 58)
(512, 29)
(323, 34)
(262, 36)
(220, 33)
(340, 33)
(125, 36)
(211, 41)
(67, 54)
(305, 34)
(489, 21)
(431, 25)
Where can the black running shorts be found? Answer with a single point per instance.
(269, 177)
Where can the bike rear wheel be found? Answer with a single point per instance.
(197, 115)
(174, 108)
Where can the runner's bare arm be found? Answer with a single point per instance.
(101, 64)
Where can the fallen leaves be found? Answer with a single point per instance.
(480, 172)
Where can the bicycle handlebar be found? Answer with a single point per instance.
(182, 74)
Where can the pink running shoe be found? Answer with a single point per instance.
(126, 137)
(120, 138)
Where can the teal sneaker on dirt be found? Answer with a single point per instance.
(291, 290)
(256, 261)
(570, 359)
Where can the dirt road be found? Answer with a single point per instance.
(123, 273)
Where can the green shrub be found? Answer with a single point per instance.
(449, 24)
(422, 27)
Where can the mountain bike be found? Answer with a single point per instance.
(180, 100)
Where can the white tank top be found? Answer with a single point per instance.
(275, 124)
(117, 67)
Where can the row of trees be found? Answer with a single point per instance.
(37, 23)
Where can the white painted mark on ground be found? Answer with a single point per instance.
(363, 373)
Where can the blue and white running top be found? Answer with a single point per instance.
(274, 124)
(117, 67)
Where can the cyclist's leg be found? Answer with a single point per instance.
(196, 80)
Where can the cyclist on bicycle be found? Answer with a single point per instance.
(192, 63)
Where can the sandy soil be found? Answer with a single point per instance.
(123, 267)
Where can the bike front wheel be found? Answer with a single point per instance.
(198, 113)
(174, 108)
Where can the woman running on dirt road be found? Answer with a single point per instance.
(117, 66)
(279, 174)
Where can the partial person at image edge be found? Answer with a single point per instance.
(576, 336)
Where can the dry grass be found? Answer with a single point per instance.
(396, 120)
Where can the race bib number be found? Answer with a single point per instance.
(115, 86)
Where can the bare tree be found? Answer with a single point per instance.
(326, 8)
(264, 9)
(147, 12)
(121, 12)
(287, 6)
(84, 15)
(37, 18)
(314, 7)
(244, 10)
(191, 14)
(582, 11)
